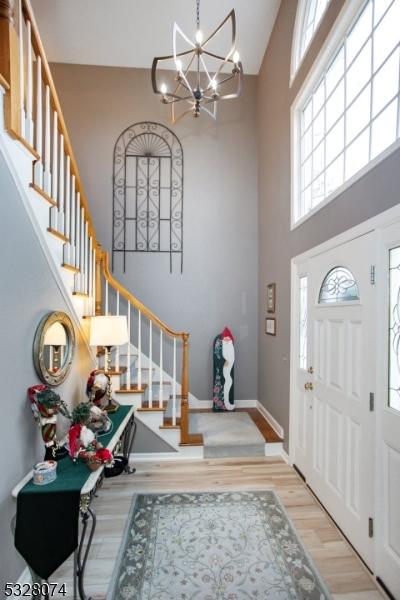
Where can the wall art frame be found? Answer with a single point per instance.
(270, 326)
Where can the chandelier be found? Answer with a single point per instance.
(201, 76)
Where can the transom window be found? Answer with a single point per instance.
(309, 15)
(351, 115)
(338, 286)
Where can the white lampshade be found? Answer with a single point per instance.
(108, 331)
(55, 335)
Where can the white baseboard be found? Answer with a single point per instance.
(158, 456)
(273, 422)
(238, 404)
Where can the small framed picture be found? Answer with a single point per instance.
(270, 326)
(271, 297)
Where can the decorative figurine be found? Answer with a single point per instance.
(46, 405)
(224, 357)
(82, 440)
(98, 387)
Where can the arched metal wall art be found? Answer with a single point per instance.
(148, 192)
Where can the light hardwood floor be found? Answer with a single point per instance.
(343, 572)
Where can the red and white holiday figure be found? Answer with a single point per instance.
(83, 445)
(46, 405)
(224, 358)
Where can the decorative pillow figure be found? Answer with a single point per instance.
(224, 357)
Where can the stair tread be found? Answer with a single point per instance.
(44, 195)
(133, 389)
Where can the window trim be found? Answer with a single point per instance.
(344, 20)
(297, 60)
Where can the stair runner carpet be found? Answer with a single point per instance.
(228, 435)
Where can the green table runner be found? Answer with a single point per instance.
(46, 530)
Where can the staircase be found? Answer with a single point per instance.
(152, 371)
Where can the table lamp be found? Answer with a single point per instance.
(108, 331)
(55, 337)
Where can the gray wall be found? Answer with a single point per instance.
(375, 192)
(219, 282)
(28, 292)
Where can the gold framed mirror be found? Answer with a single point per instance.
(54, 348)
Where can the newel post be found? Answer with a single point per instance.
(100, 255)
(9, 67)
(185, 390)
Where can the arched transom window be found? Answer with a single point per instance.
(339, 285)
(309, 15)
(347, 116)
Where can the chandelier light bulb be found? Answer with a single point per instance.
(163, 89)
(214, 84)
(236, 57)
(199, 36)
(178, 65)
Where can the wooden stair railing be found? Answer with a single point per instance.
(33, 115)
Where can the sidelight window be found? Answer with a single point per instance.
(394, 328)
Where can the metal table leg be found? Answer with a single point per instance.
(87, 515)
(129, 436)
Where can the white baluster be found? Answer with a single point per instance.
(160, 389)
(21, 67)
(47, 167)
(150, 371)
(54, 173)
(139, 368)
(72, 229)
(128, 350)
(51, 357)
(117, 349)
(61, 187)
(29, 88)
(106, 298)
(82, 253)
(90, 276)
(174, 386)
(94, 283)
(77, 230)
(38, 167)
(67, 222)
(85, 260)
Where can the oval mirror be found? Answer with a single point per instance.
(54, 347)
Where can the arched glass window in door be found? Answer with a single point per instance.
(148, 192)
(339, 285)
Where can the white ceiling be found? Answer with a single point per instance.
(129, 33)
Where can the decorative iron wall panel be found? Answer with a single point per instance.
(148, 192)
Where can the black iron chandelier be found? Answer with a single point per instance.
(201, 76)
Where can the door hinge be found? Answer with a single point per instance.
(371, 527)
(372, 275)
(371, 401)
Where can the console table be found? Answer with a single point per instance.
(118, 440)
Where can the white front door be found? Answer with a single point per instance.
(388, 412)
(339, 445)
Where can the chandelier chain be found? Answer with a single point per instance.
(198, 14)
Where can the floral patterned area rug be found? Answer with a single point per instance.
(213, 546)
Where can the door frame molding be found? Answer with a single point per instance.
(375, 224)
